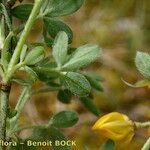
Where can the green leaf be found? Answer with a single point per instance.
(49, 42)
(8, 57)
(108, 145)
(77, 83)
(34, 56)
(31, 73)
(14, 42)
(142, 62)
(53, 26)
(95, 76)
(89, 104)
(57, 8)
(93, 82)
(71, 50)
(22, 11)
(52, 134)
(64, 96)
(82, 57)
(60, 48)
(46, 73)
(46, 62)
(64, 119)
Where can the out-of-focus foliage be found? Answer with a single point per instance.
(121, 28)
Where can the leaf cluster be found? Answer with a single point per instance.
(60, 68)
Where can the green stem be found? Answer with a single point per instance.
(3, 115)
(25, 33)
(11, 72)
(47, 89)
(142, 124)
(20, 105)
(146, 145)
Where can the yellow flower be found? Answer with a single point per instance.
(115, 126)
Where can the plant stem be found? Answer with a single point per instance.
(3, 114)
(25, 33)
(142, 124)
(146, 145)
(44, 90)
(19, 107)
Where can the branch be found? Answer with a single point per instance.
(24, 35)
(20, 105)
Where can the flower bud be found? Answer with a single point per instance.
(115, 126)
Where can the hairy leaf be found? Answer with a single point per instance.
(77, 83)
(46, 73)
(64, 96)
(22, 11)
(32, 73)
(82, 56)
(60, 48)
(94, 82)
(64, 119)
(53, 26)
(89, 104)
(142, 62)
(34, 56)
(57, 8)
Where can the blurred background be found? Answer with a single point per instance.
(120, 28)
